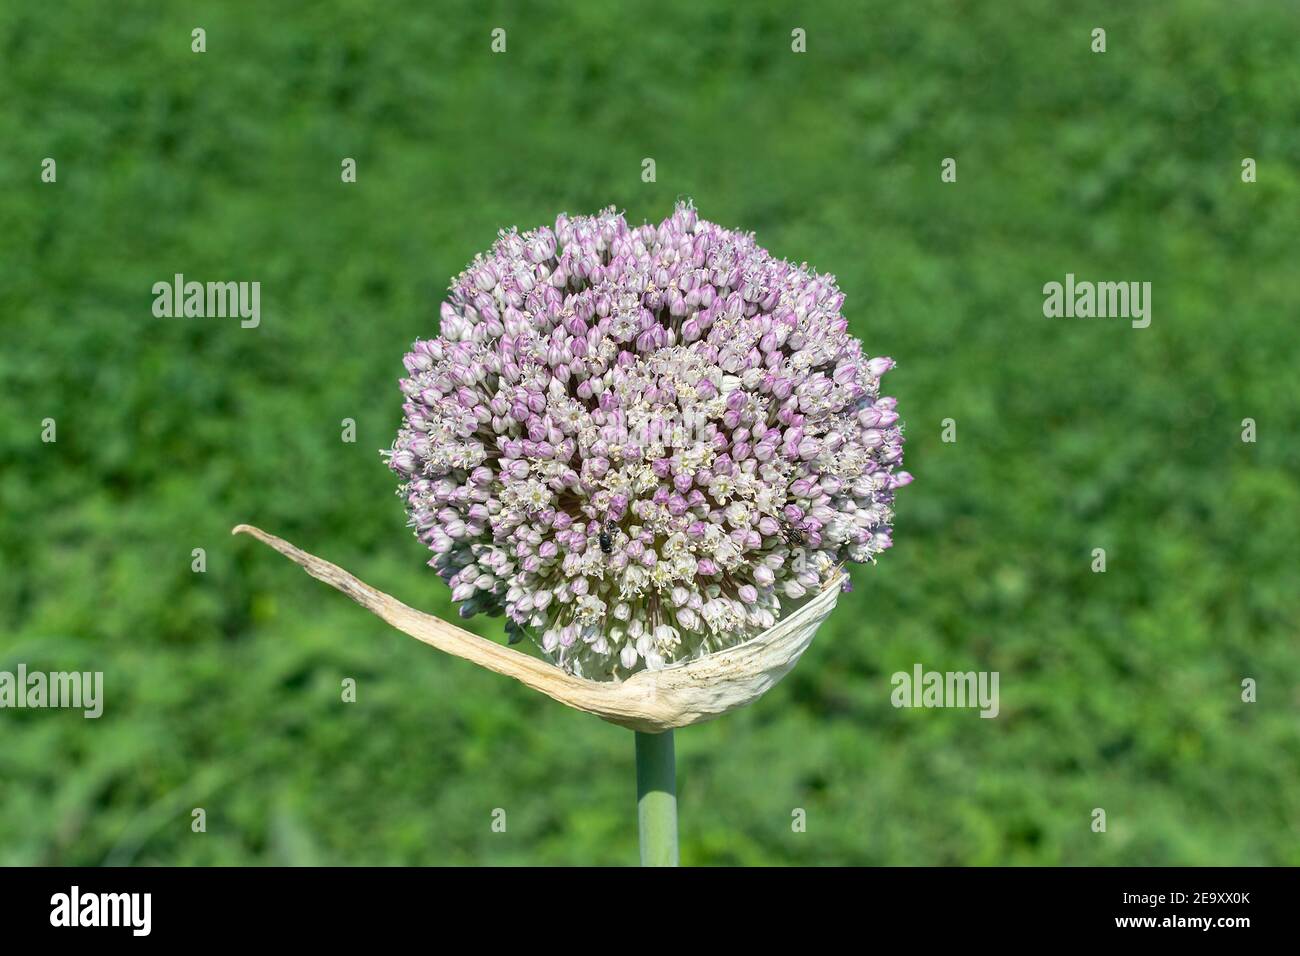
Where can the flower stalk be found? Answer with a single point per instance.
(656, 798)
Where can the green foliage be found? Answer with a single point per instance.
(1118, 690)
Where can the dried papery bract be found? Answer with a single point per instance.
(648, 701)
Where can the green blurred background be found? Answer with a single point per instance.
(1118, 690)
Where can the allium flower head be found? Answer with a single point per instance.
(638, 442)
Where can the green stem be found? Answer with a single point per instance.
(656, 798)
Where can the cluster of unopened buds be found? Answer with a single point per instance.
(640, 443)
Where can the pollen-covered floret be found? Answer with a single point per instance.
(638, 442)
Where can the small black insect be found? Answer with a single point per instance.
(514, 633)
(794, 536)
(607, 536)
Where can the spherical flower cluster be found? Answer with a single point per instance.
(637, 442)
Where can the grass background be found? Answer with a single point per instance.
(1118, 690)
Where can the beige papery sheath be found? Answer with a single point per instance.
(649, 701)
